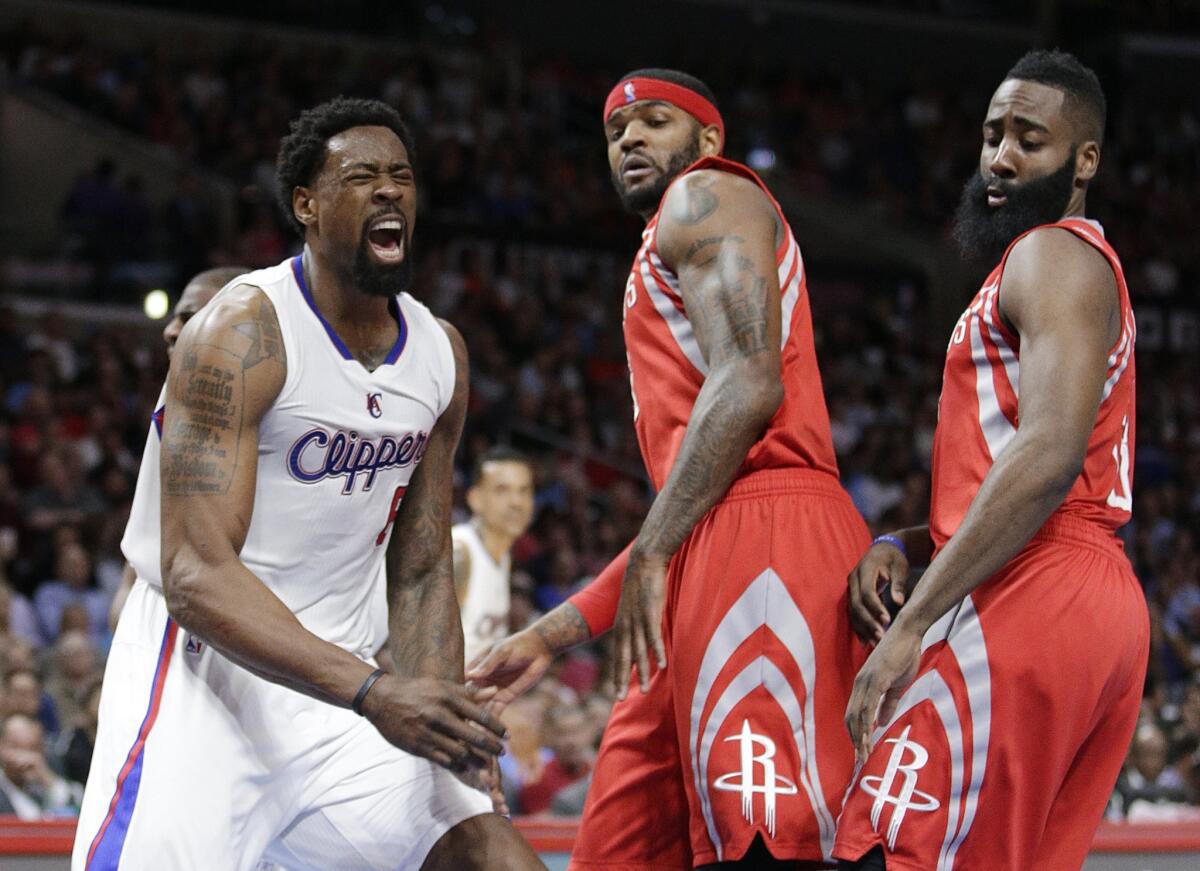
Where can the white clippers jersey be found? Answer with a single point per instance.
(485, 608)
(335, 454)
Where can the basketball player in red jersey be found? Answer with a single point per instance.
(1011, 678)
(730, 607)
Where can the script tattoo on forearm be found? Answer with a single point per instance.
(563, 628)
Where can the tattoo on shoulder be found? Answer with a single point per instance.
(200, 451)
(699, 203)
(705, 246)
(266, 342)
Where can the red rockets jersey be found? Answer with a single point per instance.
(667, 369)
(977, 416)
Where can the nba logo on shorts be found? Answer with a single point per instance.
(374, 404)
(629, 95)
(193, 645)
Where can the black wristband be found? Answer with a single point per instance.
(356, 705)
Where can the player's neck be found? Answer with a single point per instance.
(497, 544)
(338, 299)
(1076, 206)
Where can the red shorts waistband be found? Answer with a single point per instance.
(776, 481)
(1066, 529)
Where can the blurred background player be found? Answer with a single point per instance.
(501, 503)
(735, 586)
(196, 295)
(1012, 677)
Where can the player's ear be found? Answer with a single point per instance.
(710, 141)
(304, 206)
(473, 499)
(1087, 162)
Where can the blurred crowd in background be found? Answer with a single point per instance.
(522, 244)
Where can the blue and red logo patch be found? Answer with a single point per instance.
(374, 404)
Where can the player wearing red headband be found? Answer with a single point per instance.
(736, 585)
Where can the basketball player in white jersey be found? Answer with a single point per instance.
(312, 413)
(501, 503)
(196, 295)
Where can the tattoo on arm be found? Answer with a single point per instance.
(266, 342)
(699, 203)
(208, 391)
(728, 305)
(200, 451)
(562, 628)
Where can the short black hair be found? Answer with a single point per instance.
(1062, 70)
(302, 151)
(498, 454)
(675, 77)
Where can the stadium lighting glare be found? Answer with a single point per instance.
(157, 304)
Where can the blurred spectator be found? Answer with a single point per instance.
(1150, 788)
(17, 617)
(61, 598)
(568, 738)
(525, 758)
(77, 743)
(73, 673)
(28, 787)
(23, 694)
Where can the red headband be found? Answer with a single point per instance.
(696, 105)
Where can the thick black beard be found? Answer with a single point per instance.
(374, 279)
(983, 233)
(646, 199)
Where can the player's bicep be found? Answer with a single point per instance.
(718, 233)
(227, 369)
(1061, 296)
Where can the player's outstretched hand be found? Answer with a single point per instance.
(881, 682)
(438, 719)
(513, 665)
(637, 631)
(882, 565)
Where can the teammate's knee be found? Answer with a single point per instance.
(872, 861)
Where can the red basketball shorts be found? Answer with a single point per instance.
(742, 733)
(1004, 751)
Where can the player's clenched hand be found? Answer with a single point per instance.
(881, 681)
(434, 718)
(513, 665)
(882, 565)
(637, 631)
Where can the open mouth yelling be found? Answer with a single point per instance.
(387, 238)
(996, 196)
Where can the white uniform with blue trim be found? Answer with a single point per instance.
(201, 764)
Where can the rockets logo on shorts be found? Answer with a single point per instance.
(908, 797)
(714, 701)
(743, 781)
